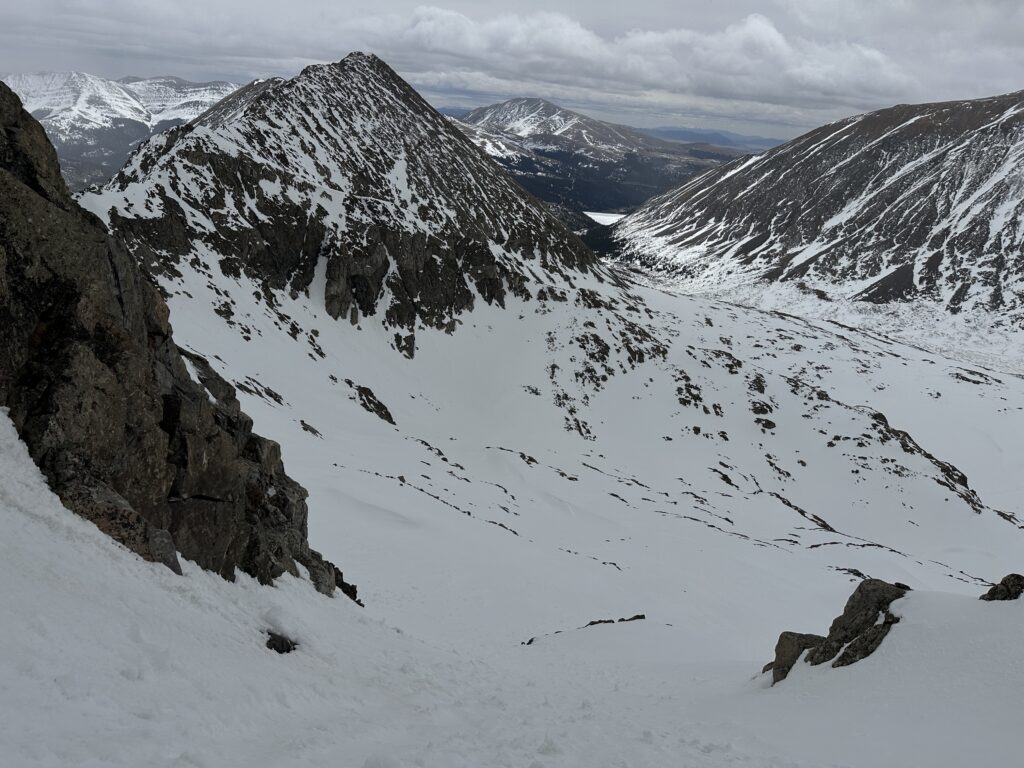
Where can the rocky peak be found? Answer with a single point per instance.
(105, 401)
(347, 172)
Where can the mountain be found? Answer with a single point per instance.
(582, 508)
(713, 136)
(342, 180)
(581, 163)
(95, 122)
(107, 405)
(921, 204)
(465, 385)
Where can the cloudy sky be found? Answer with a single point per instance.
(775, 67)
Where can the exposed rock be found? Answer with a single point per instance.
(1010, 588)
(788, 650)
(867, 605)
(161, 548)
(854, 635)
(102, 397)
(280, 643)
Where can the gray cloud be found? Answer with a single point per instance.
(779, 66)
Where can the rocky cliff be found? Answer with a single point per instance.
(105, 401)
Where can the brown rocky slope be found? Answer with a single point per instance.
(103, 398)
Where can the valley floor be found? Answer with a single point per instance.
(975, 337)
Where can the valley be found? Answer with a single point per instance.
(581, 496)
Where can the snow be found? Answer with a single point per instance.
(71, 104)
(849, 203)
(604, 218)
(118, 662)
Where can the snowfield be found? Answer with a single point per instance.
(112, 661)
(507, 466)
(604, 218)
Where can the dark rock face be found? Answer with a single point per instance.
(102, 397)
(280, 643)
(788, 650)
(911, 202)
(1010, 588)
(854, 635)
(859, 623)
(407, 219)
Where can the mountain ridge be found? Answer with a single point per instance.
(95, 122)
(910, 203)
(578, 162)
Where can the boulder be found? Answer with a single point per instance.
(788, 650)
(866, 619)
(1010, 588)
(854, 635)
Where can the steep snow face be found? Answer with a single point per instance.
(71, 104)
(94, 122)
(120, 662)
(171, 99)
(581, 163)
(909, 203)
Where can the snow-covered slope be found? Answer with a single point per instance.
(344, 181)
(582, 441)
(913, 203)
(581, 163)
(117, 662)
(505, 441)
(94, 122)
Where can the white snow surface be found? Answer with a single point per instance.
(112, 661)
(71, 104)
(604, 218)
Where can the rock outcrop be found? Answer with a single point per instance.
(104, 400)
(854, 635)
(1010, 588)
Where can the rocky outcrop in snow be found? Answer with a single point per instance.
(98, 391)
(854, 635)
(1011, 587)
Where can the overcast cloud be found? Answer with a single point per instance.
(776, 67)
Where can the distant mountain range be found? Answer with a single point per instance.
(710, 136)
(95, 122)
(579, 163)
